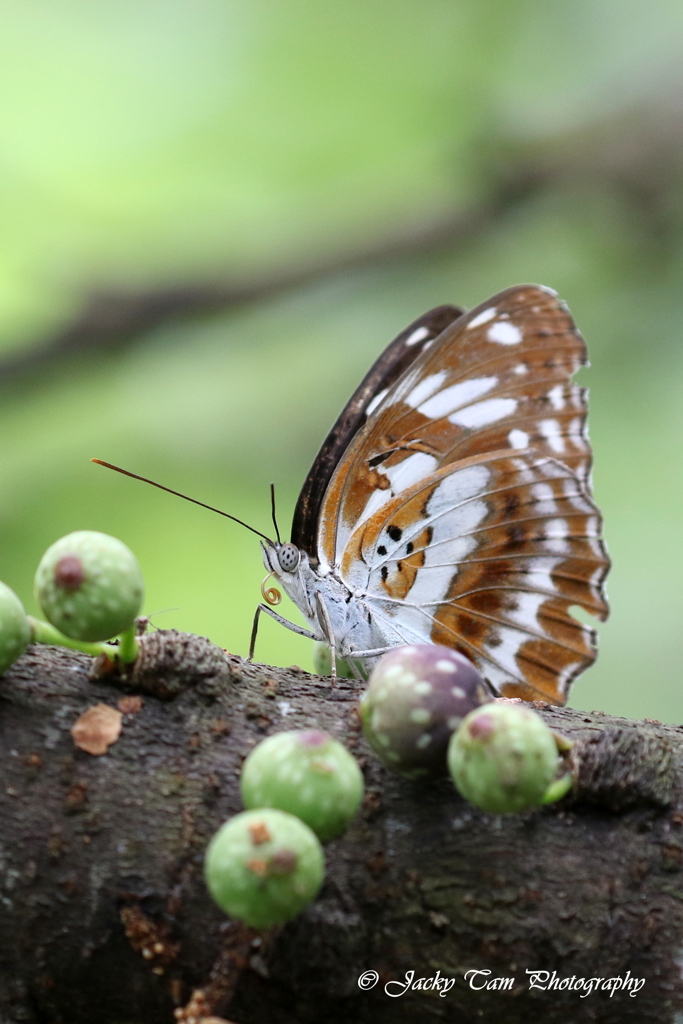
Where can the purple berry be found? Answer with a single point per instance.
(417, 696)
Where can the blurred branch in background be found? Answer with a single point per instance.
(637, 156)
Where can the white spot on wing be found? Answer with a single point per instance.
(556, 397)
(453, 512)
(597, 577)
(540, 573)
(567, 673)
(571, 488)
(406, 473)
(379, 397)
(458, 487)
(505, 333)
(550, 429)
(419, 334)
(518, 438)
(521, 369)
(526, 612)
(505, 653)
(482, 318)
(557, 537)
(455, 396)
(578, 433)
(409, 471)
(545, 499)
(425, 389)
(524, 472)
(483, 413)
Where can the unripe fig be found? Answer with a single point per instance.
(416, 697)
(307, 773)
(322, 663)
(264, 867)
(504, 758)
(89, 586)
(15, 632)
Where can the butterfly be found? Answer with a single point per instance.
(451, 502)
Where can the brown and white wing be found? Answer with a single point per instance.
(497, 377)
(393, 363)
(488, 556)
(495, 382)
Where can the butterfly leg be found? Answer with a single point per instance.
(326, 625)
(374, 653)
(283, 622)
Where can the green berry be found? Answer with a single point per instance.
(503, 758)
(416, 697)
(89, 586)
(322, 663)
(264, 867)
(307, 773)
(15, 632)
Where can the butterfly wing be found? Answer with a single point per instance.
(391, 365)
(494, 386)
(488, 556)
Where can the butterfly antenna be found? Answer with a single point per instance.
(272, 510)
(170, 490)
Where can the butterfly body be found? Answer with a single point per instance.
(346, 623)
(451, 501)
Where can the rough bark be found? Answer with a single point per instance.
(105, 916)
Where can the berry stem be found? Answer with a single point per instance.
(128, 648)
(557, 789)
(44, 633)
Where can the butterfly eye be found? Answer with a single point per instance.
(288, 556)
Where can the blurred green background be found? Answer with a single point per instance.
(216, 214)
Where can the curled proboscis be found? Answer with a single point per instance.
(270, 594)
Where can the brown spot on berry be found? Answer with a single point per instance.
(482, 727)
(313, 738)
(283, 862)
(259, 833)
(69, 573)
(258, 866)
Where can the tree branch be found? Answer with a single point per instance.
(106, 915)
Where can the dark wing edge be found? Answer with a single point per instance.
(384, 372)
